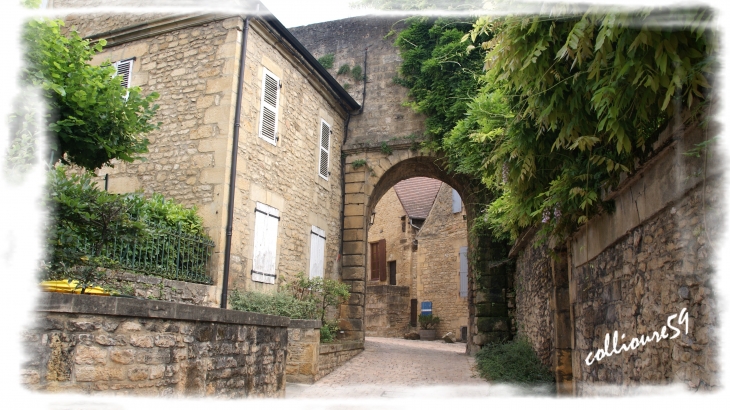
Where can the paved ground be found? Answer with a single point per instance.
(399, 368)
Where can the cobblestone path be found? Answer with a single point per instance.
(399, 368)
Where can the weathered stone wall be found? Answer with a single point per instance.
(384, 118)
(533, 284)
(443, 234)
(387, 310)
(167, 290)
(632, 287)
(116, 345)
(333, 355)
(302, 361)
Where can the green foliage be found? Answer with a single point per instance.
(276, 303)
(90, 115)
(452, 5)
(428, 322)
(30, 4)
(344, 69)
(327, 60)
(358, 163)
(357, 73)
(85, 221)
(328, 332)
(512, 362)
(346, 86)
(385, 148)
(24, 130)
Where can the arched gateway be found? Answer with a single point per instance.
(369, 174)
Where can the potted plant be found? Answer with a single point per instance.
(428, 325)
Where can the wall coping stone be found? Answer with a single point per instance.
(305, 323)
(118, 306)
(341, 346)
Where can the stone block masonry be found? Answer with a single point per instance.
(116, 345)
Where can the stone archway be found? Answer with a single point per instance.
(369, 174)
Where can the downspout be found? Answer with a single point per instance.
(342, 159)
(234, 159)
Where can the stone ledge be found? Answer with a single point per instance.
(341, 346)
(305, 323)
(115, 306)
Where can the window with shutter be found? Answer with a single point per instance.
(316, 253)
(324, 149)
(269, 108)
(264, 244)
(463, 273)
(377, 261)
(124, 69)
(455, 201)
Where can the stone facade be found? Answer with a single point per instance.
(427, 266)
(302, 363)
(192, 62)
(167, 290)
(125, 346)
(333, 355)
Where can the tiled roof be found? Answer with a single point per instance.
(417, 195)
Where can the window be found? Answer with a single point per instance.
(455, 201)
(391, 272)
(463, 273)
(269, 107)
(377, 260)
(324, 149)
(316, 253)
(124, 69)
(264, 244)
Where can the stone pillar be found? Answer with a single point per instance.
(492, 321)
(352, 312)
(563, 325)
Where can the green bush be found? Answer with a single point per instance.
(328, 332)
(513, 362)
(327, 60)
(344, 69)
(428, 322)
(276, 303)
(357, 73)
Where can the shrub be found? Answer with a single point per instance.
(385, 148)
(327, 60)
(346, 86)
(276, 303)
(512, 362)
(358, 163)
(344, 69)
(328, 332)
(428, 322)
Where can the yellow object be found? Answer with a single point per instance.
(63, 286)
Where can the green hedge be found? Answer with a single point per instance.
(513, 362)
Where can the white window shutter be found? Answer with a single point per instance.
(124, 69)
(325, 132)
(316, 253)
(269, 120)
(463, 272)
(455, 201)
(264, 244)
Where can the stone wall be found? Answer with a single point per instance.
(333, 355)
(387, 310)
(302, 362)
(124, 346)
(439, 241)
(167, 290)
(384, 118)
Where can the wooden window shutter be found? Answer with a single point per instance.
(124, 69)
(455, 201)
(264, 244)
(463, 272)
(269, 121)
(324, 149)
(316, 254)
(374, 264)
(381, 260)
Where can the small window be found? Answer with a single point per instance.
(124, 69)
(269, 108)
(316, 253)
(264, 244)
(325, 131)
(455, 201)
(463, 273)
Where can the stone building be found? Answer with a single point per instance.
(287, 201)
(417, 254)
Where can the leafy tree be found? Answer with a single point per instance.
(420, 4)
(92, 118)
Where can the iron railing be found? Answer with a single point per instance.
(161, 251)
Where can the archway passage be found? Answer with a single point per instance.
(416, 261)
(369, 175)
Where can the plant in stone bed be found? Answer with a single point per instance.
(275, 303)
(514, 362)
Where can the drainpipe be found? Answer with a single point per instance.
(234, 159)
(342, 161)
